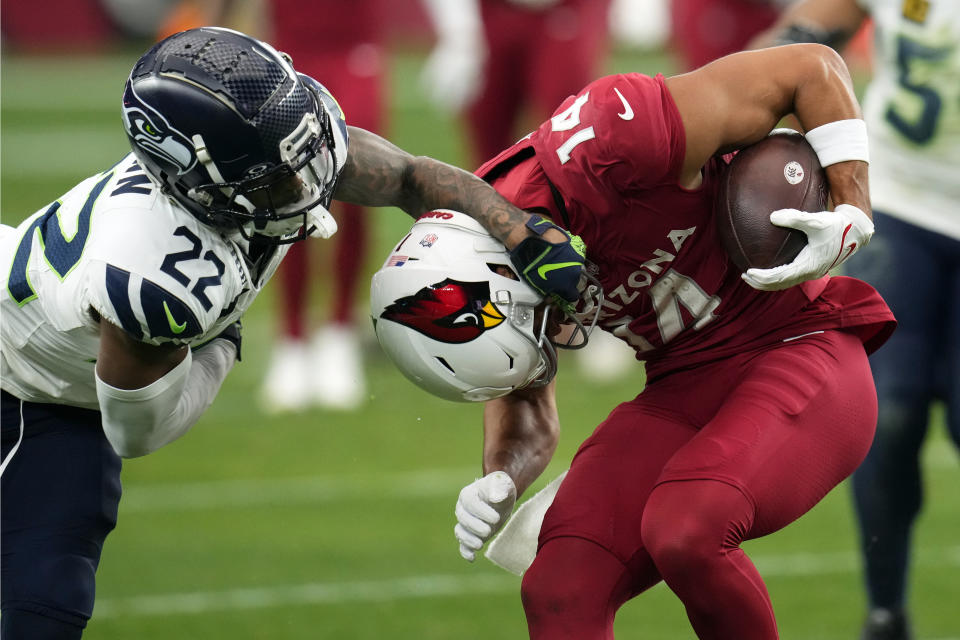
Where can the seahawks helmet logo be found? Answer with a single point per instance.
(152, 133)
(449, 311)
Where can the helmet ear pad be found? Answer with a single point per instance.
(453, 315)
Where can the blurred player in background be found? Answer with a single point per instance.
(640, 24)
(506, 65)
(341, 42)
(912, 108)
(759, 398)
(704, 30)
(122, 298)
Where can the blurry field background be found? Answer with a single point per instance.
(332, 525)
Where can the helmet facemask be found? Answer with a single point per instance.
(574, 323)
(280, 204)
(561, 329)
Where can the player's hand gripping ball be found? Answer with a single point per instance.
(779, 172)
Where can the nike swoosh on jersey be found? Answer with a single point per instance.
(174, 325)
(627, 109)
(547, 268)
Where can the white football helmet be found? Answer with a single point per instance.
(453, 315)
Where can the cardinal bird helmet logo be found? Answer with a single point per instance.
(449, 311)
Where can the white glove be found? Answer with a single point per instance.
(832, 237)
(484, 505)
(453, 73)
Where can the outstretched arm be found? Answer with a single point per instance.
(520, 435)
(380, 174)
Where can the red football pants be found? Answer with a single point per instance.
(672, 482)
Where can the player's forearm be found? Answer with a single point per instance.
(139, 421)
(379, 174)
(436, 185)
(521, 431)
(849, 185)
(828, 111)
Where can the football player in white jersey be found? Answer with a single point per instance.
(122, 297)
(912, 109)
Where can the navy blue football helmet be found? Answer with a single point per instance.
(233, 133)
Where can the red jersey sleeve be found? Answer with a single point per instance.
(621, 132)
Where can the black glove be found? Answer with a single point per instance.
(552, 269)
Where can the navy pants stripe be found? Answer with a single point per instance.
(59, 497)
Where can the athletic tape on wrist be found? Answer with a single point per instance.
(840, 141)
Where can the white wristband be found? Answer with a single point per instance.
(840, 141)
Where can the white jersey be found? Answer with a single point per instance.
(115, 247)
(912, 109)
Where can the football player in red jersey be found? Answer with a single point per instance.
(343, 44)
(759, 398)
(758, 402)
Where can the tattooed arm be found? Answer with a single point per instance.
(380, 174)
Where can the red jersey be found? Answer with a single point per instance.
(606, 167)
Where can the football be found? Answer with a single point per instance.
(779, 172)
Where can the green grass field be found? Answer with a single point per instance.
(328, 525)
